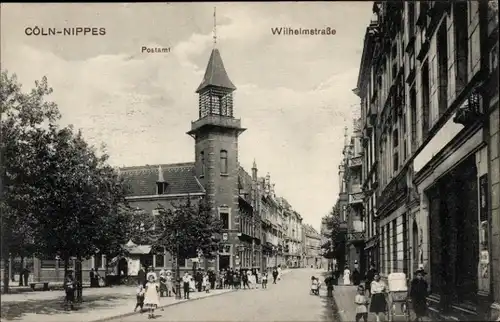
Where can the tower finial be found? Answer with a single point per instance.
(215, 27)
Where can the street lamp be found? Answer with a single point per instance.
(177, 269)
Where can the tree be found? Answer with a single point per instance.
(24, 121)
(186, 230)
(335, 246)
(60, 198)
(83, 205)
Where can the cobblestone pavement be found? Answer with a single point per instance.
(98, 304)
(288, 300)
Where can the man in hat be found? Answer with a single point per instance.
(418, 293)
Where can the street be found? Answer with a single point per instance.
(288, 300)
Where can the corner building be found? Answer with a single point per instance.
(215, 175)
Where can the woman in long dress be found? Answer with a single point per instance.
(347, 276)
(192, 284)
(151, 296)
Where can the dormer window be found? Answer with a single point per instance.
(161, 188)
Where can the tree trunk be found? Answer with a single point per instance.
(6, 274)
(66, 264)
(79, 278)
(21, 271)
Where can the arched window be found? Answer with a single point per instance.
(223, 162)
(202, 160)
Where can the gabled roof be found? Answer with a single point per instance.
(179, 177)
(215, 74)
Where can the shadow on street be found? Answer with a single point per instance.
(16, 310)
(330, 309)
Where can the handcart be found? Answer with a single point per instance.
(398, 304)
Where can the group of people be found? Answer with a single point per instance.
(247, 278)
(374, 294)
(150, 287)
(353, 277)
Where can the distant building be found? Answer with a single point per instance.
(312, 246)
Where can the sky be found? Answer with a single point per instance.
(294, 93)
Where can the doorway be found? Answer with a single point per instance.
(224, 262)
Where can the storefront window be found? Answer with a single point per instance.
(484, 256)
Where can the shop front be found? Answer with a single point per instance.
(450, 231)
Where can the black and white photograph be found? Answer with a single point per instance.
(323, 161)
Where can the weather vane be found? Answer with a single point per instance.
(215, 27)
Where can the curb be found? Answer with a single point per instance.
(124, 315)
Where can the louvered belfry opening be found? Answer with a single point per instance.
(216, 101)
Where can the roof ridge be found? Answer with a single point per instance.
(164, 166)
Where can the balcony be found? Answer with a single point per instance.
(216, 121)
(356, 195)
(356, 162)
(357, 231)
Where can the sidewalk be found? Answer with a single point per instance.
(99, 304)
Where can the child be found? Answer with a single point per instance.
(140, 297)
(152, 296)
(361, 301)
(206, 283)
(264, 280)
(314, 285)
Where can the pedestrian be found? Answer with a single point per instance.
(69, 288)
(418, 293)
(244, 278)
(139, 297)
(151, 295)
(163, 282)
(192, 284)
(236, 280)
(347, 276)
(275, 275)
(26, 275)
(264, 280)
(141, 276)
(92, 277)
(279, 272)
(198, 277)
(356, 276)
(151, 272)
(361, 302)
(378, 303)
(249, 279)
(185, 283)
(230, 279)
(369, 277)
(206, 283)
(212, 277)
(169, 285)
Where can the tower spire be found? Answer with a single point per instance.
(215, 27)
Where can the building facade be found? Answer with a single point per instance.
(313, 256)
(429, 97)
(354, 216)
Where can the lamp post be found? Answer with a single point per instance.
(177, 269)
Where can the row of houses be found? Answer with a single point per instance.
(424, 155)
(260, 228)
